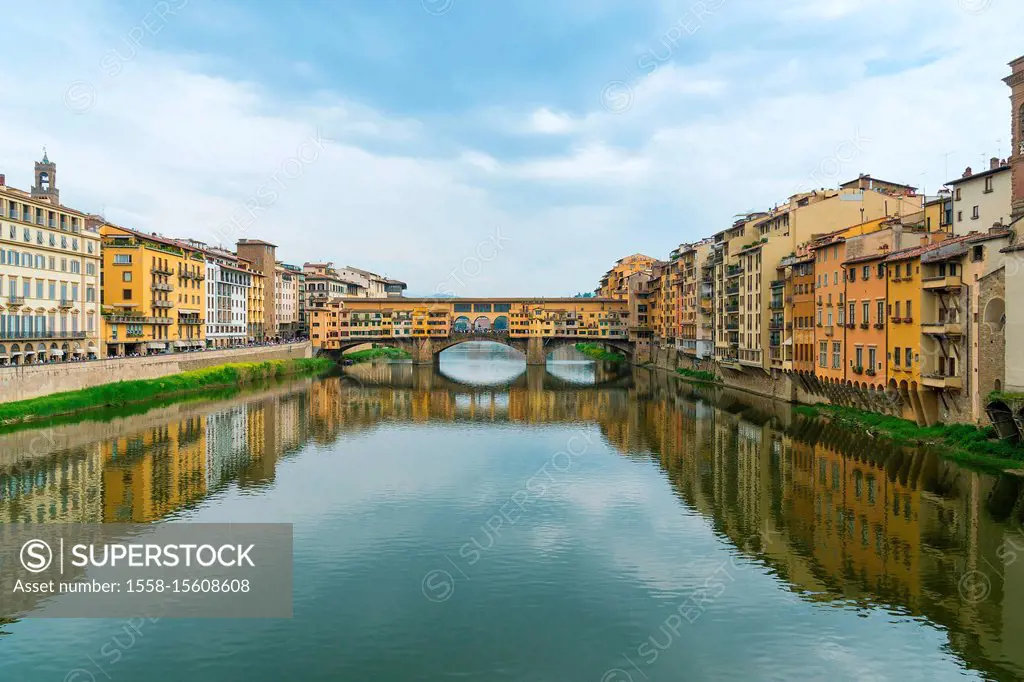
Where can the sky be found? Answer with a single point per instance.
(476, 147)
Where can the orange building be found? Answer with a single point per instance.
(866, 319)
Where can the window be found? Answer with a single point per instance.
(872, 357)
(909, 311)
(959, 216)
(881, 311)
(867, 272)
(853, 274)
(975, 213)
(909, 272)
(958, 194)
(126, 294)
(853, 313)
(881, 271)
(988, 184)
(836, 353)
(823, 354)
(896, 356)
(126, 276)
(978, 253)
(909, 357)
(122, 259)
(897, 313)
(859, 355)
(835, 277)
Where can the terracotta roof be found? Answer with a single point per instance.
(877, 255)
(916, 251)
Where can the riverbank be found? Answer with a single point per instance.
(592, 350)
(697, 376)
(123, 393)
(382, 353)
(963, 443)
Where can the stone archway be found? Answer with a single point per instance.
(482, 324)
(501, 323)
(462, 325)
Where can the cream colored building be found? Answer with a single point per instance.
(981, 199)
(287, 285)
(49, 273)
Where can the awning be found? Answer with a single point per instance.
(30, 352)
(788, 342)
(179, 344)
(56, 352)
(17, 352)
(78, 351)
(156, 345)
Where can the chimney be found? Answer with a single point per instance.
(924, 239)
(993, 163)
(967, 173)
(3, 180)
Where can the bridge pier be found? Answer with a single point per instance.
(535, 353)
(422, 351)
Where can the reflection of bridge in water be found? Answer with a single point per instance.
(428, 378)
(838, 516)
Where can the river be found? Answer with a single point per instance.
(482, 521)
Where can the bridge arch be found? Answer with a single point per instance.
(462, 325)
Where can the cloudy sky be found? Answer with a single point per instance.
(493, 148)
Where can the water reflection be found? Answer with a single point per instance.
(837, 516)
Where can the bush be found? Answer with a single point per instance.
(697, 375)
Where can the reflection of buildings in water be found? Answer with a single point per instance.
(59, 488)
(150, 474)
(836, 514)
(840, 515)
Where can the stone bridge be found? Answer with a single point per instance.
(425, 350)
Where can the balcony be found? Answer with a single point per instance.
(14, 336)
(135, 319)
(895, 320)
(778, 283)
(162, 304)
(946, 282)
(942, 381)
(159, 270)
(66, 303)
(160, 286)
(776, 304)
(16, 300)
(942, 328)
(732, 290)
(829, 331)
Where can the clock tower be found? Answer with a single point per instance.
(1016, 82)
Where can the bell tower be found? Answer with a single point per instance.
(1016, 82)
(46, 181)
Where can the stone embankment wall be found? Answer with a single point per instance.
(33, 381)
(808, 389)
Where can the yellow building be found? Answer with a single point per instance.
(613, 284)
(255, 304)
(153, 294)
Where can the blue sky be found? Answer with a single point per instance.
(477, 147)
